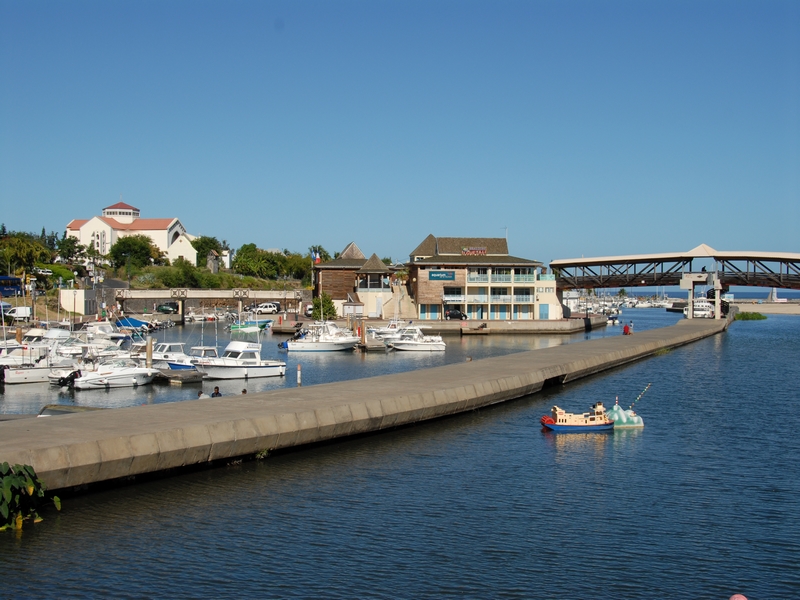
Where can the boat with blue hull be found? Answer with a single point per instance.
(561, 421)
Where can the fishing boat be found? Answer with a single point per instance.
(323, 336)
(240, 360)
(561, 421)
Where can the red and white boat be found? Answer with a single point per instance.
(563, 422)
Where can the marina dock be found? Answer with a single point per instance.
(101, 446)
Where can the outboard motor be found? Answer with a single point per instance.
(69, 380)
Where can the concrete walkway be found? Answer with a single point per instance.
(73, 450)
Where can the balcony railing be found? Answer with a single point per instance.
(523, 299)
(501, 278)
(453, 298)
(547, 277)
(524, 278)
(477, 278)
(477, 298)
(504, 299)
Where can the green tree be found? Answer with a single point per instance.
(622, 293)
(205, 244)
(136, 250)
(70, 250)
(324, 308)
(22, 251)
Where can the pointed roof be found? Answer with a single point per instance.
(374, 265)
(352, 252)
(121, 205)
(426, 248)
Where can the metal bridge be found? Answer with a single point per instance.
(758, 269)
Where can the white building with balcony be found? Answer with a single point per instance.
(120, 219)
(478, 277)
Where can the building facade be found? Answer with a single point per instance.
(356, 284)
(478, 277)
(120, 219)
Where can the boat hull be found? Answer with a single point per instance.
(578, 428)
(29, 375)
(418, 346)
(100, 381)
(310, 346)
(242, 372)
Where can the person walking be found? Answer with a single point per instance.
(631, 327)
(216, 393)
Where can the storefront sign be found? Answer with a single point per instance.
(441, 275)
(474, 251)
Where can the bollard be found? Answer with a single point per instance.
(299, 377)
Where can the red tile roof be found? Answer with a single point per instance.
(139, 224)
(122, 205)
(77, 223)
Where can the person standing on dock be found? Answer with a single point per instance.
(631, 327)
(216, 393)
(626, 330)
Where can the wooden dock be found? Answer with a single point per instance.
(179, 376)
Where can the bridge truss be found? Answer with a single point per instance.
(758, 269)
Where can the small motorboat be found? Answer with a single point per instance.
(412, 339)
(561, 421)
(122, 372)
(240, 360)
(321, 337)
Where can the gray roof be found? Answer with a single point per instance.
(374, 265)
(510, 261)
(453, 246)
(351, 251)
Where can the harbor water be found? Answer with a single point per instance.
(700, 503)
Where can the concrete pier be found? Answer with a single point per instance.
(79, 449)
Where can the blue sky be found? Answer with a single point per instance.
(585, 128)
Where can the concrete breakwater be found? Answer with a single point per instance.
(80, 449)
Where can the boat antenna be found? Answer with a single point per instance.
(640, 395)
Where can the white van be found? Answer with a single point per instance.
(20, 313)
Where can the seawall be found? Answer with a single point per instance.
(79, 449)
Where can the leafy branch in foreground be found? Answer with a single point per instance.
(22, 494)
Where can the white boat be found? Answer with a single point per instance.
(393, 326)
(321, 337)
(414, 340)
(240, 360)
(164, 354)
(122, 372)
(702, 309)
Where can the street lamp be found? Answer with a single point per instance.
(74, 301)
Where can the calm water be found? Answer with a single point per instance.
(702, 503)
(316, 367)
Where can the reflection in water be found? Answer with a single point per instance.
(697, 504)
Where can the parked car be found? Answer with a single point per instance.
(39, 271)
(269, 308)
(168, 308)
(454, 313)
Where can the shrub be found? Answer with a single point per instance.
(749, 316)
